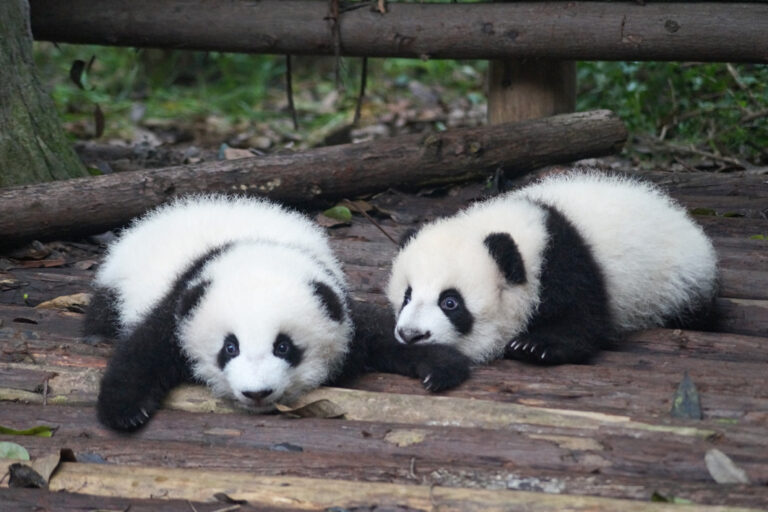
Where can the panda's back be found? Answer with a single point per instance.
(657, 263)
(148, 257)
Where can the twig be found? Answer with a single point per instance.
(289, 91)
(363, 79)
(737, 78)
(706, 154)
(45, 390)
(754, 115)
(370, 219)
(333, 16)
(412, 468)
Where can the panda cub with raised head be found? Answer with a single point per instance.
(550, 272)
(240, 294)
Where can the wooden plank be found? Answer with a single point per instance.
(216, 453)
(714, 31)
(314, 493)
(37, 500)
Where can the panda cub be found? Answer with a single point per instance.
(240, 294)
(550, 272)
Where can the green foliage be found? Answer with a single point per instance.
(39, 431)
(713, 105)
(13, 451)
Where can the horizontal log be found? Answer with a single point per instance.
(94, 204)
(315, 493)
(442, 469)
(510, 455)
(35, 500)
(700, 31)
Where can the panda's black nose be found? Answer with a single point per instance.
(258, 396)
(412, 335)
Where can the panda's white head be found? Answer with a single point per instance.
(471, 280)
(263, 323)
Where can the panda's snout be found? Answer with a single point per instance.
(410, 336)
(258, 396)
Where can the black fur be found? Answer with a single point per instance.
(572, 319)
(375, 348)
(102, 316)
(460, 317)
(504, 251)
(148, 363)
(230, 349)
(406, 237)
(329, 300)
(292, 353)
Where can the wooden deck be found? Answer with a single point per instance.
(514, 437)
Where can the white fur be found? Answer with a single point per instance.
(259, 288)
(656, 261)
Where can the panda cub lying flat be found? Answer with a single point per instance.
(239, 294)
(547, 273)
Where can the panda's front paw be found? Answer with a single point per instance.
(550, 348)
(445, 368)
(124, 415)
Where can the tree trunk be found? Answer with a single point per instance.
(530, 89)
(33, 146)
(325, 174)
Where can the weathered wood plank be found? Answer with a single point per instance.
(216, 453)
(37, 500)
(307, 493)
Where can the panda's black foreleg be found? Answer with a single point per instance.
(101, 317)
(375, 349)
(143, 369)
(438, 367)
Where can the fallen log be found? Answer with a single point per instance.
(91, 205)
(700, 31)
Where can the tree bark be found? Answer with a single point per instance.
(701, 31)
(81, 206)
(33, 146)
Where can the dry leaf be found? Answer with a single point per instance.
(723, 469)
(322, 408)
(77, 301)
(34, 474)
(235, 153)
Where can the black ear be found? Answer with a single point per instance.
(504, 251)
(189, 298)
(330, 300)
(406, 236)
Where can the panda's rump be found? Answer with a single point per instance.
(656, 262)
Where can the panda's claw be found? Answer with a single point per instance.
(543, 355)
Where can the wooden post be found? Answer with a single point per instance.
(530, 89)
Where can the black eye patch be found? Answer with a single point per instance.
(230, 349)
(452, 305)
(406, 298)
(285, 348)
